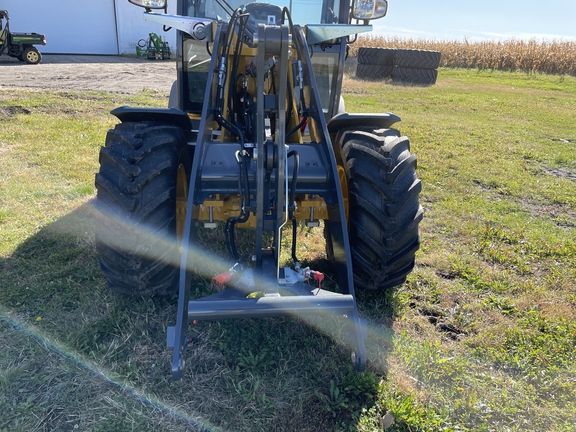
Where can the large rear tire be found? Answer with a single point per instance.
(139, 183)
(374, 72)
(420, 59)
(415, 76)
(384, 209)
(376, 56)
(375, 63)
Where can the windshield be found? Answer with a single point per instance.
(302, 11)
(325, 59)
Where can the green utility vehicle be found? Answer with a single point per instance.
(256, 136)
(19, 45)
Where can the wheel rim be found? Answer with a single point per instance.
(181, 200)
(32, 56)
(344, 187)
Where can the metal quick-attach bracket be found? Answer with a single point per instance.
(268, 290)
(272, 41)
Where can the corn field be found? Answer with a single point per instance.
(552, 57)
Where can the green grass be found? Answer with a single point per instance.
(486, 333)
(480, 337)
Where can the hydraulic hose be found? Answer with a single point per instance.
(244, 202)
(293, 183)
(299, 125)
(295, 170)
(294, 231)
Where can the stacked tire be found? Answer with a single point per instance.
(375, 64)
(416, 66)
(407, 66)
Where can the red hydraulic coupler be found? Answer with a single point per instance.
(230, 276)
(314, 275)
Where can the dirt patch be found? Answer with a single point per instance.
(561, 172)
(83, 72)
(563, 216)
(10, 111)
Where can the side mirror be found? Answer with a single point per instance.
(368, 9)
(150, 4)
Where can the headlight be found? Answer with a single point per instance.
(149, 4)
(369, 9)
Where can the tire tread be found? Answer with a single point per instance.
(136, 195)
(384, 206)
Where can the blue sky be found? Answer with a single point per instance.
(479, 19)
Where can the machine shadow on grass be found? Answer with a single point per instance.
(248, 374)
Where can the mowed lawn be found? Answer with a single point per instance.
(480, 337)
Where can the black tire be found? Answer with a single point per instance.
(136, 240)
(376, 56)
(414, 76)
(373, 72)
(384, 209)
(421, 59)
(31, 55)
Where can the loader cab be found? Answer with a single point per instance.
(327, 31)
(327, 56)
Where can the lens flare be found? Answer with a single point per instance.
(99, 372)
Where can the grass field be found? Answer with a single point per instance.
(480, 337)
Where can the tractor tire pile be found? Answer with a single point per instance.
(407, 66)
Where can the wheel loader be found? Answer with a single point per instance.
(256, 137)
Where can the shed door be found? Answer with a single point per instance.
(70, 26)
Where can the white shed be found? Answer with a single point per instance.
(85, 26)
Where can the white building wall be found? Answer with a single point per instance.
(85, 26)
(132, 27)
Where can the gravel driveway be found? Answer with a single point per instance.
(87, 72)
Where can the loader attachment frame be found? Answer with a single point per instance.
(281, 291)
